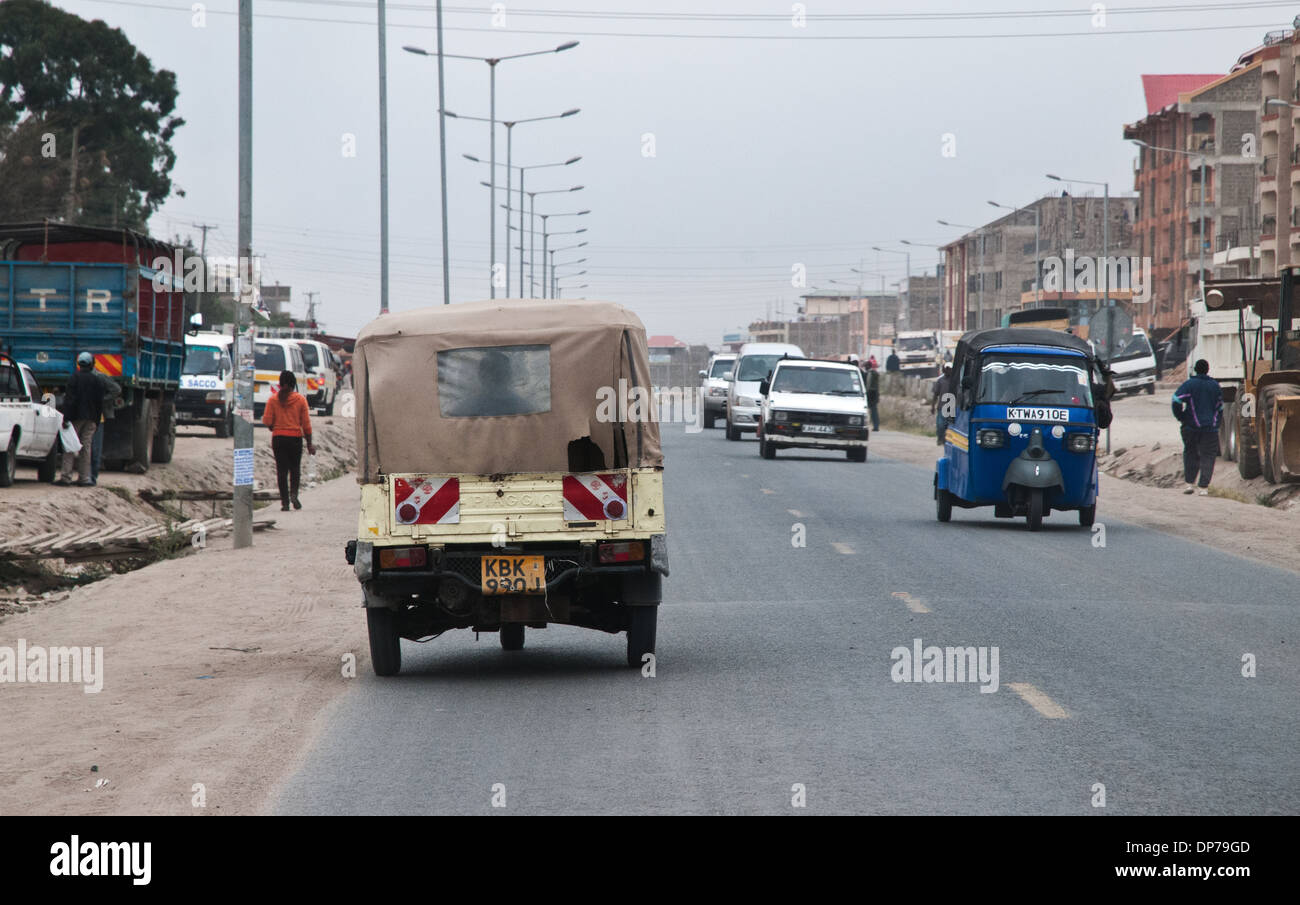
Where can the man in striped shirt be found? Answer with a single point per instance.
(1198, 406)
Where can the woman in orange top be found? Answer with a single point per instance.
(286, 416)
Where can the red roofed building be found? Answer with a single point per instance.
(665, 343)
(1198, 124)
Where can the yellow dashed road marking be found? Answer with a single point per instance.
(914, 604)
(1039, 701)
(842, 548)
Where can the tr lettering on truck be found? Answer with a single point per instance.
(94, 297)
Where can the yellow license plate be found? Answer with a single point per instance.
(514, 574)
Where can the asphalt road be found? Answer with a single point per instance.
(1119, 665)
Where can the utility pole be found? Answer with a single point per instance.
(383, 160)
(203, 256)
(243, 457)
(311, 307)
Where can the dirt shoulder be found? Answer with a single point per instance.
(215, 665)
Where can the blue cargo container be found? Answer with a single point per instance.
(69, 289)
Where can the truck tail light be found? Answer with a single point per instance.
(623, 552)
(403, 557)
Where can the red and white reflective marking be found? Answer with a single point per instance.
(427, 501)
(595, 497)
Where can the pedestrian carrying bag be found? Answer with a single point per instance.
(68, 437)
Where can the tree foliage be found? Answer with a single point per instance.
(76, 96)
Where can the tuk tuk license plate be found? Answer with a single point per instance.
(818, 429)
(514, 574)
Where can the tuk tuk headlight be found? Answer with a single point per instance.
(989, 438)
(780, 416)
(1014, 430)
(1080, 443)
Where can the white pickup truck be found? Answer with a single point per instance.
(29, 424)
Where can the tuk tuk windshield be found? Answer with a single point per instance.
(1034, 379)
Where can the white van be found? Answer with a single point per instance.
(1134, 365)
(207, 392)
(323, 380)
(753, 364)
(270, 357)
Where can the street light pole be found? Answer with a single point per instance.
(492, 127)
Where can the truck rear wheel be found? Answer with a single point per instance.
(141, 437)
(164, 438)
(1228, 433)
(1247, 447)
(642, 624)
(385, 643)
(512, 636)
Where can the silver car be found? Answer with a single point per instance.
(715, 387)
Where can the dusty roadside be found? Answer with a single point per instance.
(216, 666)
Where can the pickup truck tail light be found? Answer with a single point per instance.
(621, 552)
(403, 557)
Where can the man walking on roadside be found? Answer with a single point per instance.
(83, 404)
(1198, 406)
(872, 378)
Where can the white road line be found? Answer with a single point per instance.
(1039, 701)
(842, 548)
(914, 604)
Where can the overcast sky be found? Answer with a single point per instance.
(774, 145)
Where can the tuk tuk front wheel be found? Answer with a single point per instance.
(1087, 515)
(385, 643)
(642, 623)
(942, 505)
(1035, 514)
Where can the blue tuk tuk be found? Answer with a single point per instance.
(1023, 426)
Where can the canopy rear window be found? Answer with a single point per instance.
(485, 381)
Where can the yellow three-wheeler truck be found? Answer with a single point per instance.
(511, 474)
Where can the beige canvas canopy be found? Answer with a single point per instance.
(501, 387)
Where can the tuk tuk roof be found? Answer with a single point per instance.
(590, 347)
(976, 341)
